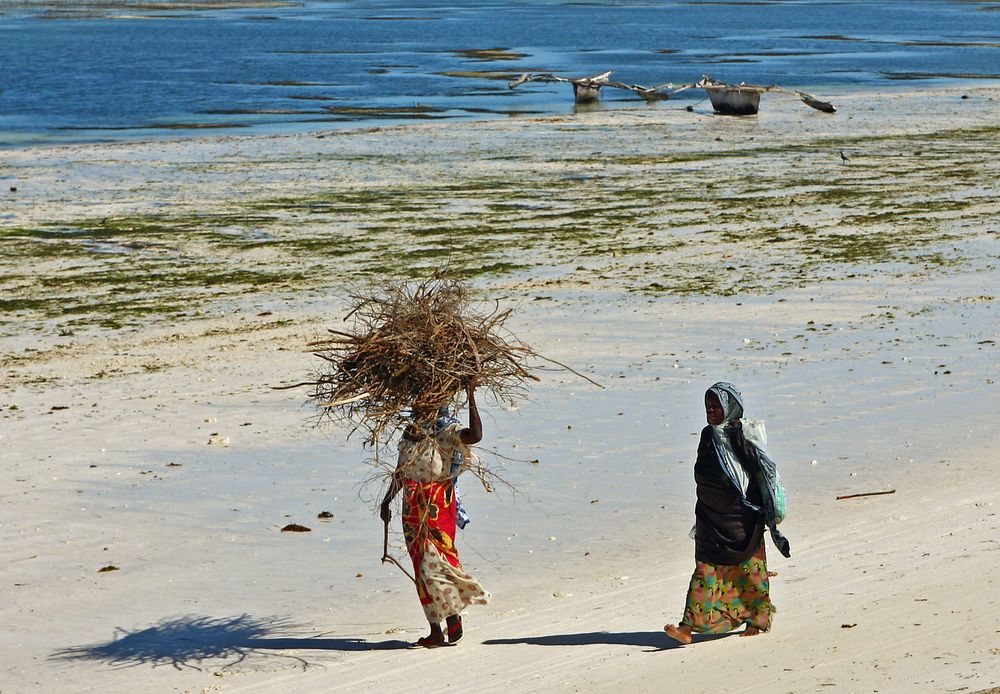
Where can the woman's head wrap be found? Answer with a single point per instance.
(730, 398)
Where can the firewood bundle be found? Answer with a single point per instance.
(412, 349)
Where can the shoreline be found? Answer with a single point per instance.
(203, 132)
(605, 106)
(876, 360)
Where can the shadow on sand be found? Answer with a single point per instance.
(184, 642)
(652, 640)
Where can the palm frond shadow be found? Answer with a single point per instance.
(185, 642)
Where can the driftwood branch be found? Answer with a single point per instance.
(854, 496)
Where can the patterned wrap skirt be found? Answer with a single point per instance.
(722, 597)
(443, 586)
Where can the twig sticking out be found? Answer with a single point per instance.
(388, 558)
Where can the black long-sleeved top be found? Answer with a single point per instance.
(727, 531)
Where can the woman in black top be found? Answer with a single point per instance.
(729, 586)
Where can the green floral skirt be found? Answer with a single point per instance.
(721, 597)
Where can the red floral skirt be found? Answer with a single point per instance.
(443, 586)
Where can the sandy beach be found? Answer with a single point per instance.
(842, 269)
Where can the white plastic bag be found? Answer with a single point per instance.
(754, 432)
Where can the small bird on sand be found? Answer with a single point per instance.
(844, 157)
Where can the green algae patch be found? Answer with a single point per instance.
(663, 223)
(490, 54)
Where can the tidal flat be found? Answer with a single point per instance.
(665, 202)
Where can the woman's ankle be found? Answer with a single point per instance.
(455, 631)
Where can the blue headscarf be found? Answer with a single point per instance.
(730, 398)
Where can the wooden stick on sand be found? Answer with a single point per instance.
(853, 496)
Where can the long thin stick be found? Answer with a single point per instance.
(559, 363)
(852, 496)
(472, 345)
(386, 557)
(294, 385)
(345, 401)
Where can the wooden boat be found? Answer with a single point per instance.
(744, 99)
(585, 89)
(729, 99)
(734, 100)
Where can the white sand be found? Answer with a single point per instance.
(877, 379)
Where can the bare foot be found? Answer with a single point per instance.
(750, 631)
(680, 633)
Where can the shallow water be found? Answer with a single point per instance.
(73, 72)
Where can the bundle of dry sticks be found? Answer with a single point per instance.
(413, 348)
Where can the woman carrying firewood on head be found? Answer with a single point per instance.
(425, 474)
(412, 349)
